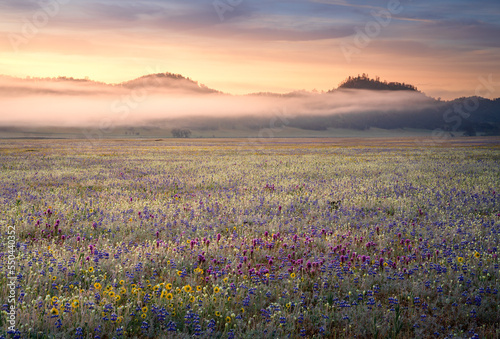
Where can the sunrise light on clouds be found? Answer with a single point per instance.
(238, 47)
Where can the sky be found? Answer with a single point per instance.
(444, 47)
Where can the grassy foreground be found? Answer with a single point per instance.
(235, 239)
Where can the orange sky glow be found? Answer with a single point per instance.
(259, 46)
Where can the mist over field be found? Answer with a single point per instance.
(85, 103)
(165, 101)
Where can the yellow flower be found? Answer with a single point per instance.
(133, 285)
(155, 288)
(143, 316)
(242, 310)
(198, 288)
(54, 311)
(117, 298)
(169, 286)
(225, 279)
(288, 305)
(134, 291)
(123, 290)
(228, 319)
(192, 299)
(91, 269)
(217, 313)
(112, 294)
(71, 286)
(216, 289)
(477, 255)
(147, 281)
(187, 288)
(292, 275)
(386, 264)
(109, 288)
(179, 273)
(144, 309)
(122, 282)
(75, 303)
(54, 299)
(119, 319)
(170, 305)
(188, 242)
(54, 278)
(460, 259)
(228, 298)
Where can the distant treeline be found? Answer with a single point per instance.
(364, 82)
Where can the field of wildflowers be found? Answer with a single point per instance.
(221, 240)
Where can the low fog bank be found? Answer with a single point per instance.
(171, 101)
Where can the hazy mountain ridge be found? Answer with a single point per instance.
(168, 80)
(75, 86)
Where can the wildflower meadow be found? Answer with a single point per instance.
(227, 239)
